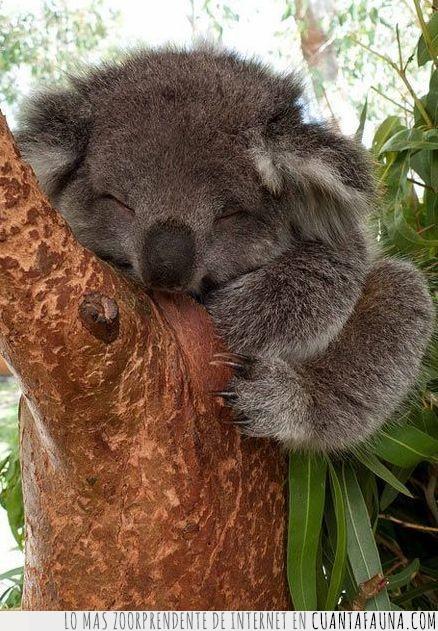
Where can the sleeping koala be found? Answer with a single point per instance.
(198, 172)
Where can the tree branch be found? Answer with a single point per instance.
(136, 495)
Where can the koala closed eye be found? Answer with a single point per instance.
(121, 205)
(231, 209)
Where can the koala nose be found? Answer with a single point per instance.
(169, 256)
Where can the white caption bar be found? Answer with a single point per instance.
(217, 620)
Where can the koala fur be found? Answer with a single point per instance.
(197, 171)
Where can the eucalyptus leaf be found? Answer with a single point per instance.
(321, 578)
(307, 474)
(427, 421)
(417, 591)
(425, 164)
(431, 101)
(404, 577)
(405, 446)
(418, 116)
(386, 130)
(402, 235)
(362, 121)
(423, 54)
(11, 496)
(389, 493)
(339, 563)
(372, 463)
(430, 201)
(16, 572)
(412, 139)
(361, 546)
(394, 177)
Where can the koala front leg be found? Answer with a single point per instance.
(296, 305)
(339, 398)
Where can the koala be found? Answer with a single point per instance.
(198, 171)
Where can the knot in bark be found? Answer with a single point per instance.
(100, 316)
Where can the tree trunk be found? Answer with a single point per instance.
(4, 370)
(318, 50)
(137, 494)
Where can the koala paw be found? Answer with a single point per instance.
(268, 398)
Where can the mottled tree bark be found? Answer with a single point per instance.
(137, 494)
(4, 370)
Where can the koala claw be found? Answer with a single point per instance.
(240, 363)
(237, 357)
(228, 396)
(222, 362)
(266, 399)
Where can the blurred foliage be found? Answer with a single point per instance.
(336, 38)
(12, 595)
(377, 513)
(351, 28)
(219, 15)
(44, 46)
(10, 485)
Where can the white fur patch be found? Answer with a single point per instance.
(330, 205)
(47, 162)
(269, 174)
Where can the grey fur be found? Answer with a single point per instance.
(228, 193)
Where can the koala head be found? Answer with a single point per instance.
(188, 169)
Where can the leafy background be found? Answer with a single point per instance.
(373, 69)
(375, 513)
(10, 483)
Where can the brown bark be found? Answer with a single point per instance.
(137, 495)
(4, 370)
(317, 49)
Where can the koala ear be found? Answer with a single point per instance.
(53, 132)
(325, 177)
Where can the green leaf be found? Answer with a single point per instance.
(405, 446)
(15, 512)
(321, 578)
(17, 572)
(403, 577)
(362, 121)
(307, 475)
(11, 496)
(389, 493)
(431, 101)
(423, 54)
(372, 463)
(427, 422)
(394, 177)
(412, 139)
(288, 12)
(430, 201)
(339, 563)
(368, 485)
(403, 236)
(351, 586)
(386, 130)
(418, 591)
(361, 546)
